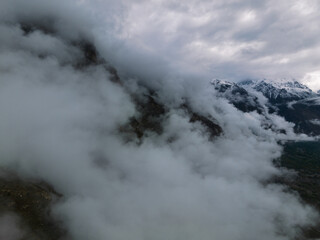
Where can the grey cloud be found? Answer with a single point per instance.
(10, 228)
(228, 39)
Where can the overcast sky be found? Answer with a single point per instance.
(230, 39)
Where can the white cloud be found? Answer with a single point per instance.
(312, 80)
(172, 31)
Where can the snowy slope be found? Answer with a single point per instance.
(280, 91)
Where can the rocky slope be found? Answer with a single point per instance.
(31, 201)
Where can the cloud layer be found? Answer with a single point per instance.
(222, 39)
(60, 123)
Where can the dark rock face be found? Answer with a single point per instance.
(31, 201)
(213, 128)
(46, 27)
(152, 114)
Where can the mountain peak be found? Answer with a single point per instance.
(280, 90)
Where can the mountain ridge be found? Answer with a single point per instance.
(280, 92)
(290, 99)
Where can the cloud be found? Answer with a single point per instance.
(10, 228)
(60, 123)
(312, 80)
(223, 39)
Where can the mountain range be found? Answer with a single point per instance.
(289, 99)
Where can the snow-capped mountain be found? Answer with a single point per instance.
(237, 95)
(287, 98)
(281, 91)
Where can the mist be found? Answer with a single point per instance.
(10, 227)
(62, 123)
